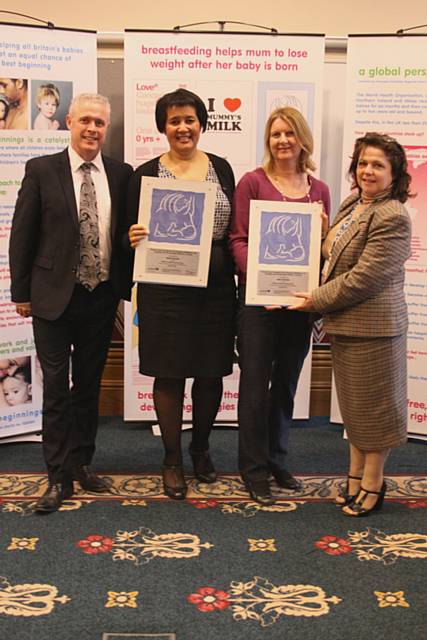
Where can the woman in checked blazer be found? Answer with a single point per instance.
(362, 301)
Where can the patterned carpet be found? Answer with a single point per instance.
(134, 564)
(27, 487)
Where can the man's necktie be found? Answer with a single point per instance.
(89, 271)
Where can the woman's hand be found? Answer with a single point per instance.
(136, 233)
(325, 225)
(305, 304)
(272, 307)
(325, 221)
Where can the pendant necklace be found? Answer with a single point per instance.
(285, 196)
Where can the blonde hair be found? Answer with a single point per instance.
(48, 90)
(303, 135)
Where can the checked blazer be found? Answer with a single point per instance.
(362, 294)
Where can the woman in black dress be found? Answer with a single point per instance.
(187, 332)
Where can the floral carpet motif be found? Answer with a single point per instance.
(372, 544)
(261, 601)
(143, 545)
(28, 599)
(227, 488)
(19, 492)
(216, 558)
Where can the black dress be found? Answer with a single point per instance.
(187, 332)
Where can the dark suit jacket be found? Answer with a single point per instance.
(44, 242)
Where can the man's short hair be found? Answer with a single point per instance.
(95, 98)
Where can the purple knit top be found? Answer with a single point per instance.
(255, 185)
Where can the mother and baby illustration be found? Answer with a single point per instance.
(285, 238)
(176, 216)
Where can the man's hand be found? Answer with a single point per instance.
(23, 309)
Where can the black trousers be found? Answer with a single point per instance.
(70, 413)
(272, 346)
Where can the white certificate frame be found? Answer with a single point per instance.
(283, 251)
(179, 215)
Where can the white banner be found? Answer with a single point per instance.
(241, 79)
(41, 70)
(387, 92)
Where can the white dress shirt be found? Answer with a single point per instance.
(103, 201)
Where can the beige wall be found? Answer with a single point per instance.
(332, 17)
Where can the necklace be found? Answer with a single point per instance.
(286, 196)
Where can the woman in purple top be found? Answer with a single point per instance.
(272, 341)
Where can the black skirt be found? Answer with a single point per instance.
(187, 332)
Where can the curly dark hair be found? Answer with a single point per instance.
(394, 153)
(180, 98)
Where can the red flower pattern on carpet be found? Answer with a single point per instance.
(95, 544)
(203, 504)
(333, 546)
(415, 504)
(209, 599)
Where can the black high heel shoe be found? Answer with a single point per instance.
(344, 494)
(203, 467)
(174, 485)
(357, 505)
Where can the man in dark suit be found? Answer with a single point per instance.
(68, 271)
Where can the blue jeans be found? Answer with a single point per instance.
(272, 346)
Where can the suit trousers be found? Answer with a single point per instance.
(70, 413)
(272, 346)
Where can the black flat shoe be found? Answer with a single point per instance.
(174, 485)
(53, 497)
(285, 480)
(259, 490)
(358, 510)
(346, 498)
(203, 467)
(89, 480)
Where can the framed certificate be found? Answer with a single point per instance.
(179, 217)
(283, 251)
